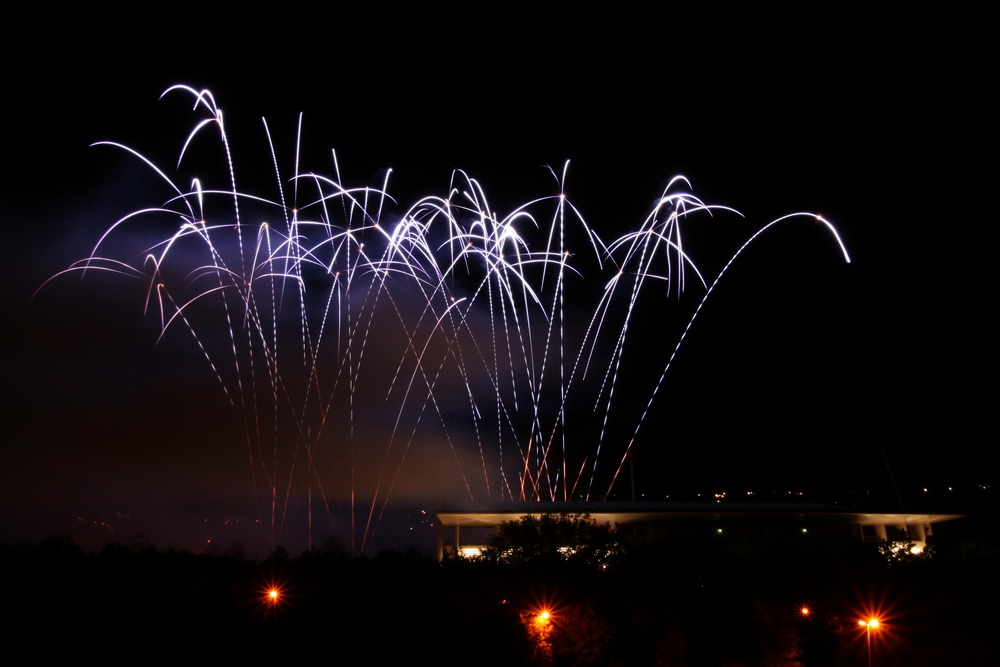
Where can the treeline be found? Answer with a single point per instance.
(146, 603)
(694, 598)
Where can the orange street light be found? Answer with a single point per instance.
(272, 595)
(869, 624)
(539, 626)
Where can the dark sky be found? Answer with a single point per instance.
(800, 373)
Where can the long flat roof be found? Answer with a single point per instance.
(640, 512)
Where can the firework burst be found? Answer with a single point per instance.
(306, 301)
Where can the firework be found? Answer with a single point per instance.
(310, 298)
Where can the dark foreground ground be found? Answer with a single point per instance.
(684, 599)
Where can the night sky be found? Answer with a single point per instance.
(801, 373)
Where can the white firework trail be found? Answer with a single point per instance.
(296, 301)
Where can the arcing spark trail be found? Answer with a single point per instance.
(308, 302)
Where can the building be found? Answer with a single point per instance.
(463, 531)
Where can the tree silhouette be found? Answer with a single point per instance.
(552, 537)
